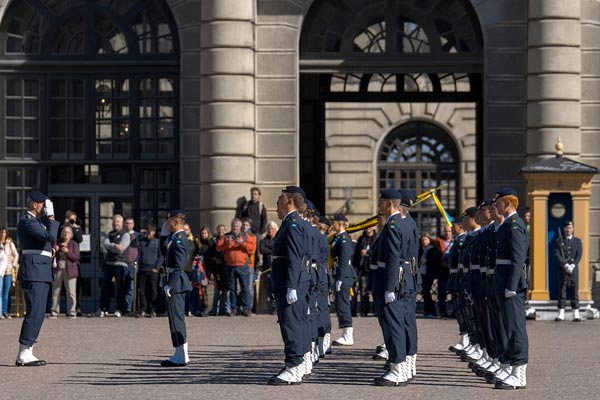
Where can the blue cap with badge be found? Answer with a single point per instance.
(176, 213)
(390, 194)
(38, 196)
(294, 189)
(339, 218)
(507, 191)
(408, 197)
(324, 220)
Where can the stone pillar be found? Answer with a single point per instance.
(227, 145)
(539, 254)
(553, 76)
(581, 221)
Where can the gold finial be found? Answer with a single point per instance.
(559, 148)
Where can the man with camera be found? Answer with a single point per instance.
(37, 230)
(237, 246)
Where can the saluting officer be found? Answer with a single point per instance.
(510, 286)
(391, 257)
(290, 282)
(568, 254)
(176, 285)
(36, 230)
(345, 275)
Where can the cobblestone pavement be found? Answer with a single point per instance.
(232, 358)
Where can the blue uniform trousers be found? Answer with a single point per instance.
(176, 314)
(36, 294)
(324, 324)
(293, 323)
(342, 304)
(392, 319)
(499, 339)
(409, 307)
(513, 310)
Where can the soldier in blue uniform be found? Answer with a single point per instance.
(176, 285)
(459, 234)
(412, 281)
(37, 230)
(290, 281)
(345, 277)
(510, 286)
(391, 257)
(568, 251)
(324, 324)
(312, 251)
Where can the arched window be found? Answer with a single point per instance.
(420, 156)
(89, 94)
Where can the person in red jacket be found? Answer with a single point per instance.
(65, 272)
(237, 246)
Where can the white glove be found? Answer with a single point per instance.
(389, 297)
(291, 296)
(338, 286)
(164, 231)
(49, 208)
(167, 290)
(509, 293)
(571, 268)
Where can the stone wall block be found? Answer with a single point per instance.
(227, 142)
(543, 141)
(227, 115)
(539, 9)
(227, 61)
(227, 169)
(227, 34)
(554, 87)
(554, 59)
(559, 32)
(275, 170)
(554, 114)
(227, 88)
(213, 10)
(276, 38)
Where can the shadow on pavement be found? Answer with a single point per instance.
(234, 366)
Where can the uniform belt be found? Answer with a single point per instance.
(474, 266)
(373, 266)
(38, 252)
(503, 261)
(460, 266)
(380, 264)
(483, 269)
(453, 270)
(170, 270)
(490, 271)
(277, 257)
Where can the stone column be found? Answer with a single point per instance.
(581, 221)
(539, 255)
(227, 145)
(553, 77)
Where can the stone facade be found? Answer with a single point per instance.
(240, 101)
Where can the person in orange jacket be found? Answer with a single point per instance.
(237, 246)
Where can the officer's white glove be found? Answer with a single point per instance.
(164, 231)
(571, 268)
(167, 290)
(338, 286)
(509, 293)
(49, 208)
(389, 297)
(291, 296)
